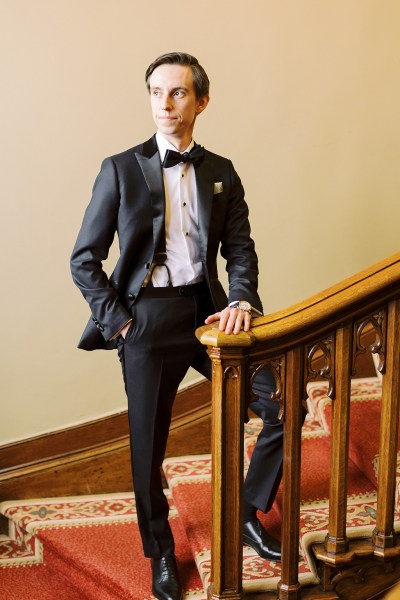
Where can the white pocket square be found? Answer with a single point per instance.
(218, 187)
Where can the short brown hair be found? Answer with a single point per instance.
(200, 79)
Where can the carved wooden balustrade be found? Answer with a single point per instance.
(330, 324)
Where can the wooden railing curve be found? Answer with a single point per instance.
(331, 324)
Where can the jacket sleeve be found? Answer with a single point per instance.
(91, 249)
(237, 247)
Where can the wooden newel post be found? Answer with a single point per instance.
(228, 392)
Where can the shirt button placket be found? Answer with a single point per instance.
(181, 195)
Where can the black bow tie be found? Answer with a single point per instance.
(172, 158)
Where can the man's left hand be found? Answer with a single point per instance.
(231, 320)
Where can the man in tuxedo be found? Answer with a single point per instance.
(173, 205)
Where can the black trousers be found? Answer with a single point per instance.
(157, 352)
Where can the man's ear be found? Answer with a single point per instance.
(202, 103)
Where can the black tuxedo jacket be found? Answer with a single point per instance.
(128, 198)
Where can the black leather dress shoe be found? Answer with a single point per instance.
(166, 584)
(255, 536)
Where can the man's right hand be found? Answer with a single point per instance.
(122, 331)
(231, 320)
(125, 329)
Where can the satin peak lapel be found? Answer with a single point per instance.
(205, 192)
(152, 173)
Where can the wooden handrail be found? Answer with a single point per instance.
(330, 324)
(368, 288)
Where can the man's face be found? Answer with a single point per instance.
(174, 103)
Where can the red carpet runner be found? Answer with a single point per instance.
(85, 548)
(88, 548)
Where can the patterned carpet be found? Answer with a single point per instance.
(89, 547)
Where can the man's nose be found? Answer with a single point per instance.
(165, 102)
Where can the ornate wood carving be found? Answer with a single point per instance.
(357, 574)
(231, 372)
(326, 348)
(277, 367)
(364, 575)
(378, 321)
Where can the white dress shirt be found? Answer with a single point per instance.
(181, 223)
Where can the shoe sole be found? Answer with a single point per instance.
(162, 597)
(247, 543)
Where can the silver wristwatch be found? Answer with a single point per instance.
(242, 305)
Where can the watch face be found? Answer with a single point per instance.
(243, 305)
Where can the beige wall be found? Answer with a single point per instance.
(305, 97)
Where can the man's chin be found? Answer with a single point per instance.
(168, 129)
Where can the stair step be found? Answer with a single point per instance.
(189, 479)
(35, 583)
(92, 543)
(89, 547)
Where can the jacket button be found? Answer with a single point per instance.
(147, 265)
(101, 328)
(131, 296)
